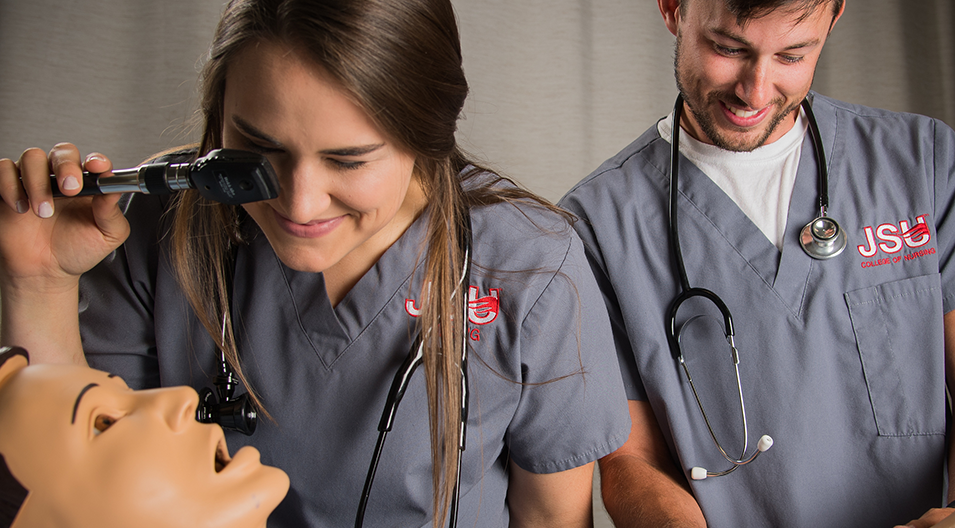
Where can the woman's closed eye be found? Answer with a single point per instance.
(346, 165)
(258, 148)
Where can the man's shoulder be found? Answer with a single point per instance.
(823, 104)
(641, 162)
(854, 126)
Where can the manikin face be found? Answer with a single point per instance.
(92, 452)
(743, 84)
(347, 191)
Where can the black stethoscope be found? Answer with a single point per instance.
(403, 377)
(821, 239)
(239, 414)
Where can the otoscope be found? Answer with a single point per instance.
(229, 176)
(232, 177)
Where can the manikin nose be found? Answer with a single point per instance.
(175, 405)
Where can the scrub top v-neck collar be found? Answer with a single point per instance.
(331, 330)
(785, 274)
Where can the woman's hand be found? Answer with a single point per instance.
(46, 244)
(47, 241)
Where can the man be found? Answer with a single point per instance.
(842, 356)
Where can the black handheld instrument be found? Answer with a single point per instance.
(232, 413)
(232, 177)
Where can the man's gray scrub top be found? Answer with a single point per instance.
(841, 360)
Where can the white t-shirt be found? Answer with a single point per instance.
(759, 181)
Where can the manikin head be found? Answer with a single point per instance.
(92, 452)
(744, 66)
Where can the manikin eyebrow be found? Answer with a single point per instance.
(76, 405)
(255, 133)
(725, 33)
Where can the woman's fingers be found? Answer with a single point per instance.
(34, 170)
(26, 183)
(98, 163)
(54, 238)
(11, 191)
(65, 165)
(110, 219)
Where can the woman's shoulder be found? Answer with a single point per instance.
(514, 229)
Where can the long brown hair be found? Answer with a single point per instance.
(401, 62)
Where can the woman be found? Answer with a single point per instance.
(315, 297)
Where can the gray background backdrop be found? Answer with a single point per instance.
(557, 86)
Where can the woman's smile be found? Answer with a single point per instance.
(312, 229)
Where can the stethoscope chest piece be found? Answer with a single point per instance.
(823, 238)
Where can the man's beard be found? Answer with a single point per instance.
(707, 124)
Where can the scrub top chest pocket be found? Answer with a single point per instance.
(897, 327)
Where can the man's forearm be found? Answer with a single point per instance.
(638, 495)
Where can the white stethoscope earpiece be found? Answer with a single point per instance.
(700, 473)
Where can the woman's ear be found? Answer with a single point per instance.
(12, 359)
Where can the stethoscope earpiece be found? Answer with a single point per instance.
(823, 238)
(700, 473)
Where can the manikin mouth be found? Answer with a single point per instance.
(222, 457)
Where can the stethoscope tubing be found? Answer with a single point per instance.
(403, 379)
(688, 292)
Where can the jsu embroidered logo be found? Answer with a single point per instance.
(481, 310)
(891, 240)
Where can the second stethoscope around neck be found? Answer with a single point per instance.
(822, 238)
(237, 413)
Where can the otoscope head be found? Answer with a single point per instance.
(234, 414)
(234, 177)
(238, 415)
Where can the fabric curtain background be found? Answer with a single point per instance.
(557, 86)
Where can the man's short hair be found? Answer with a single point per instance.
(746, 10)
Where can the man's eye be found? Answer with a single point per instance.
(729, 52)
(102, 423)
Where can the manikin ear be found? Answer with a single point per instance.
(12, 359)
(670, 9)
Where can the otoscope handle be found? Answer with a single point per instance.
(228, 176)
(96, 184)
